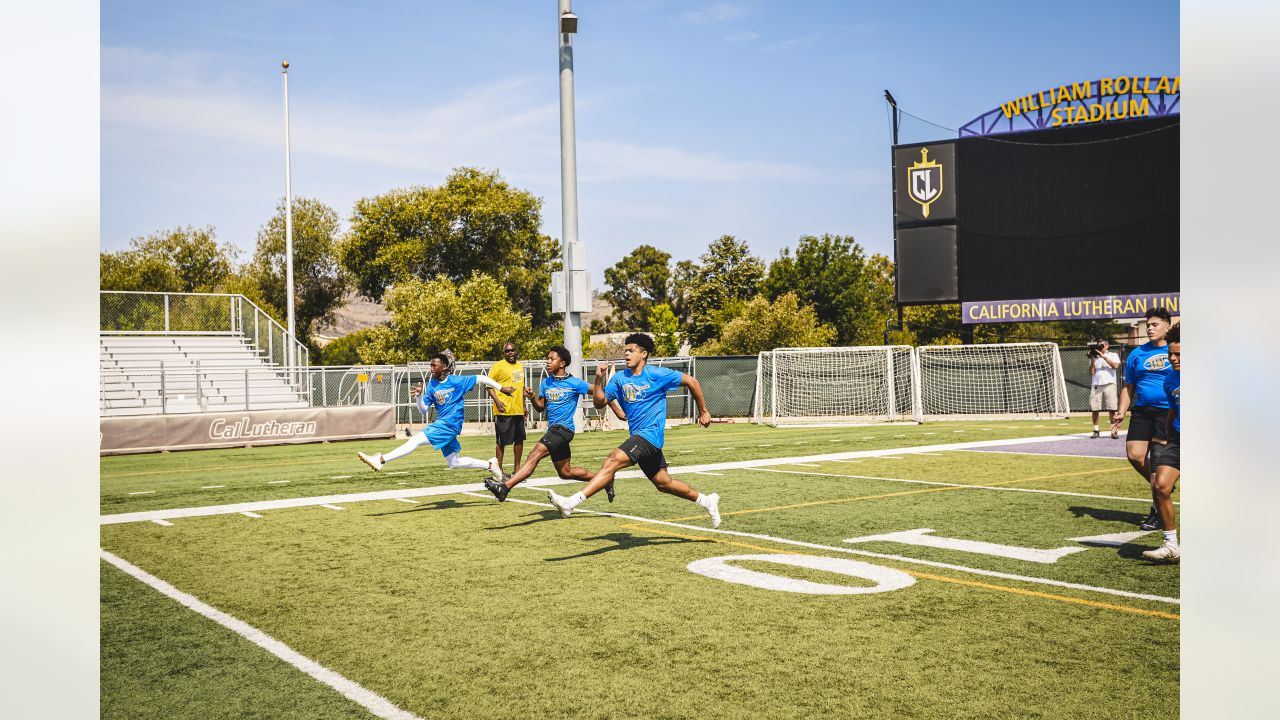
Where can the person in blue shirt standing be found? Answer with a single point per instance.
(447, 393)
(558, 396)
(642, 392)
(1167, 458)
(1144, 373)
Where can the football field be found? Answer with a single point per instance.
(958, 570)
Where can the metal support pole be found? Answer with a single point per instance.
(166, 313)
(893, 399)
(164, 402)
(246, 389)
(290, 350)
(574, 255)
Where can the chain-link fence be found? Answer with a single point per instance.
(1075, 366)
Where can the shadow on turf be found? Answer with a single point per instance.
(536, 517)
(625, 541)
(1133, 518)
(447, 504)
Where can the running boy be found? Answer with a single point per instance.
(558, 396)
(447, 393)
(1167, 460)
(642, 392)
(1144, 373)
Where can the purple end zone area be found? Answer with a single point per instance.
(1081, 446)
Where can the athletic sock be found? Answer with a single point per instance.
(701, 499)
(576, 499)
(1171, 537)
(1095, 427)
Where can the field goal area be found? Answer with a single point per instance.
(865, 385)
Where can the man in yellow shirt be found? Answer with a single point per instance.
(508, 423)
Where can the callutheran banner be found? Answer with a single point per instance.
(261, 427)
(1077, 308)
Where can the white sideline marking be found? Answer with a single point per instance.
(280, 482)
(552, 480)
(704, 472)
(873, 437)
(246, 513)
(165, 523)
(976, 487)
(765, 445)
(1011, 452)
(806, 464)
(836, 440)
(366, 698)
(406, 500)
(335, 477)
(931, 454)
(1114, 539)
(957, 431)
(867, 553)
(332, 507)
(847, 461)
(211, 487)
(143, 492)
(728, 448)
(889, 457)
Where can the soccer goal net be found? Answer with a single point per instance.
(836, 386)
(1007, 380)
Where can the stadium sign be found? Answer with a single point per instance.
(152, 433)
(1077, 308)
(1088, 102)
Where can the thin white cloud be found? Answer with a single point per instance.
(743, 37)
(717, 13)
(795, 42)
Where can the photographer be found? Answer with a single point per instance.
(1102, 385)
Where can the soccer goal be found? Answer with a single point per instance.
(997, 381)
(835, 386)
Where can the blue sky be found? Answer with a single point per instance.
(762, 119)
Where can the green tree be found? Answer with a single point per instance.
(849, 290)
(182, 259)
(666, 338)
(637, 283)
(474, 222)
(473, 318)
(683, 279)
(319, 282)
(726, 272)
(762, 325)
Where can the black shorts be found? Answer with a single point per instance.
(556, 441)
(1147, 424)
(509, 429)
(643, 453)
(1169, 454)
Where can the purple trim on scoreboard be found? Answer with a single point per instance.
(1076, 308)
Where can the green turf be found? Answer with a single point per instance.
(463, 607)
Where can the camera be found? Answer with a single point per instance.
(1095, 348)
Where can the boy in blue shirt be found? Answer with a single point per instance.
(1167, 459)
(1144, 373)
(642, 392)
(447, 394)
(558, 396)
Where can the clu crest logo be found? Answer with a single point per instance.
(633, 392)
(1156, 362)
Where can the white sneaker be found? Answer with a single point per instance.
(373, 461)
(713, 508)
(561, 503)
(495, 469)
(1166, 552)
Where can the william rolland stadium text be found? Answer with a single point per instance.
(152, 433)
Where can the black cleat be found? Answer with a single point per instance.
(498, 489)
(1094, 435)
(1152, 521)
(608, 490)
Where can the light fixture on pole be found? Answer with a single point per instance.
(288, 227)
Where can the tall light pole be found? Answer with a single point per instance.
(574, 256)
(288, 225)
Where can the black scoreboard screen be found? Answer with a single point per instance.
(1080, 211)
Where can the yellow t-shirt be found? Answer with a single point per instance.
(505, 373)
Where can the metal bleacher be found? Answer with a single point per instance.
(230, 363)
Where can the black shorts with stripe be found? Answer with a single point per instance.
(643, 453)
(556, 440)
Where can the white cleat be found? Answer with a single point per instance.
(373, 461)
(560, 503)
(495, 469)
(713, 509)
(1166, 553)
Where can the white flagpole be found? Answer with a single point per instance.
(288, 226)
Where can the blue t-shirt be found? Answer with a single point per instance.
(1173, 391)
(643, 398)
(562, 398)
(448, 396)
(1146, 370)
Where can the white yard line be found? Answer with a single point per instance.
(867, 553)
(282, 482)
(1013, 452)
(284, 503)
(931, 454)
(704, 472)
(332, 507)
(164, 523)
(399, 472)
(143, 492)
(336, 477)
(806, 464)
(1146, 500)
(246, 513)
(369, 700)
(406, 500)
(211, 487)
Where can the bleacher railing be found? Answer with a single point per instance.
(123, 312)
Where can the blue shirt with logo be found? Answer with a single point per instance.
(1146, 369)
(562, 398)
(448, 396)
(643, 398)
(1173, 391)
